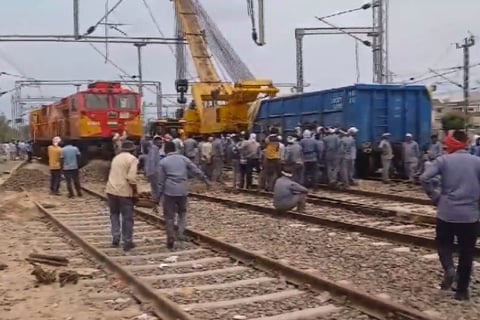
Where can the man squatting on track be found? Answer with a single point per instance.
(457, 202)
(122, 194)
(173, 171)
(288, 194)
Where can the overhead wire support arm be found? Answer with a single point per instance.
(344, 31)
(89, 39)
(301, 32)
(446, 78)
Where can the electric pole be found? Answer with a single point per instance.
(76, 23)
(465, 46)
(139, 46)
(381, 72)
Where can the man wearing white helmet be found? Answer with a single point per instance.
(332, 147)
(411, 156)
(311, 155)
(350, 155)
(386, 156)
(288, 194)
(294, 159)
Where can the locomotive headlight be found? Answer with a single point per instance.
(124, 115)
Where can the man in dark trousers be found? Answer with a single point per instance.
(70, 158)
(172, 181)
(121, 193)
(457, 209)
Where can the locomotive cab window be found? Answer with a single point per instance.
(125, 102)
(96, 101)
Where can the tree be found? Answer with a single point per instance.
(454, 121)
(7, 133)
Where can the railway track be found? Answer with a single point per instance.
(392, 193)
(404, 227)
(81, 272)
(208, 278)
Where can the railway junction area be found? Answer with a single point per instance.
(365, 253)
(355, 249)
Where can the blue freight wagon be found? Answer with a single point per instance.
(373, 108)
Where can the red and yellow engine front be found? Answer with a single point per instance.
(103, 115)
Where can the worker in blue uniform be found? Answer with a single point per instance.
(435, 149)
(475, 149)
(151, 168)
(311, 154)
(321, 173)
(342, 164)
(294, 159)
(457, 209)
(332, 147)
(350, 155)
(288, 194)
(386, 156)
(411, 156)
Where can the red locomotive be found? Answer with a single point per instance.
(89, 119)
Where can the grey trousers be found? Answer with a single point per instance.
(121, 228)
(174, 207)
(343, 171)
(297, 173)
(350, 167)
(386, 163)
(217, 169)
(236, 173)
(297, 200)
(411, 167)
(332, 170)
(153, 179)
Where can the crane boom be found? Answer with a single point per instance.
(197, 42)
(218, 106)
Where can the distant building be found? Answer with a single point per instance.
(443, 107)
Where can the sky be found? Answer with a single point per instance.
(422, 35)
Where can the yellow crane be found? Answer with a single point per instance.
(217, 106)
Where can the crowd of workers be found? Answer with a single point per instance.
(17, 149)
(288, 171)
(319, 155)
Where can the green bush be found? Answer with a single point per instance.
(454, 121)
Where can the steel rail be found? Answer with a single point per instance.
(163, 306)
(359, 207)
(410, 239)
(374, 306)
(386, 196)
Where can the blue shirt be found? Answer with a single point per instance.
(173, 174)
(459, 193)
(69, 156)
(152, 160)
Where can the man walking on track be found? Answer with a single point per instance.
(172, 179)
(457, 209)
(70, 157)
(122, 193)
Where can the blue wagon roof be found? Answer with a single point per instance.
(359, 86)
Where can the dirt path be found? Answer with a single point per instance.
(22, 298)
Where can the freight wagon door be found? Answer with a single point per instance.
(333, 119)
(398, 114)
(379, 113)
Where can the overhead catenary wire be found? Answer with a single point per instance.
(92, 28)
(115, 65)
(159, 30)
(363, 7)
(451, 71)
